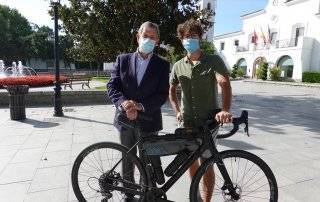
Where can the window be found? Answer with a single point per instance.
(273, 37)
(209, 6)
(236, 42)
(299, 32)
(222, 46)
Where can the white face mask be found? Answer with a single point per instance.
(146, 45)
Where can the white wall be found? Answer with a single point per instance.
(282, 18)
(42, 64)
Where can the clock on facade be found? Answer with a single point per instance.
(275, 2)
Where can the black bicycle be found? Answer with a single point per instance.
(228, 129)
(239, 175)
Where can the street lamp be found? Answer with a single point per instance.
(57, 90)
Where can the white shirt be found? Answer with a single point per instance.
(141, 66)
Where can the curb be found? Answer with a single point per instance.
(285, 83)
(69, 98)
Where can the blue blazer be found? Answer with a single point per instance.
(152, 92)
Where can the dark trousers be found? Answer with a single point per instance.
(128, 138)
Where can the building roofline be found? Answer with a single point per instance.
(230, 34)
(253, 13)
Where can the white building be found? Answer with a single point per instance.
(210, 5)
(286, 34)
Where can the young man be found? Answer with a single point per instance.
(140, 82)
(198, 75)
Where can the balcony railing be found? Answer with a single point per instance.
(287, 43)
(241, 49)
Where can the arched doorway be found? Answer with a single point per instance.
(286, 65)
(257, 63)
(242, 63)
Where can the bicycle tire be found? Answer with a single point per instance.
(229, 154)
(104, 145)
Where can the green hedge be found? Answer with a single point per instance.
(275, 73)
(311, 77)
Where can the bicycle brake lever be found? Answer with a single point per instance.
(246, 128)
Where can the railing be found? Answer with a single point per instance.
(287, 43)
(241, 49)
(261, 46)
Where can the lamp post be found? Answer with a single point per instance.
(57, 90)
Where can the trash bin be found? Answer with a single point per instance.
(17, 101)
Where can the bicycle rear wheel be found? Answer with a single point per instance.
(93, 177)
(250, 175)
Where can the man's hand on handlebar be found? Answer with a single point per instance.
(223, 117)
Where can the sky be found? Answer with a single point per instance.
(227, 17)
(229, 11)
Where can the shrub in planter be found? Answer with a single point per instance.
(262, 71)
(240, 72)
(234, 71)
(311, 77)
(275, 73)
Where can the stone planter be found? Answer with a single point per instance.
(17, 101)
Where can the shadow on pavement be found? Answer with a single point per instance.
(235, 144)
(39, 124)
(88, 120)
(274, 113)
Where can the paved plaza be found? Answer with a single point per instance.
(36, 155)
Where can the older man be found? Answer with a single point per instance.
(140, 83)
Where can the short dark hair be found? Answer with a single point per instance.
(191, 26)
(151, 25)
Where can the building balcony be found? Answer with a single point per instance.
(295, 43)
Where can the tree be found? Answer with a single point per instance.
(262, 71)
(103, 29)
(14, 31)
(207, 47)
(41, 42)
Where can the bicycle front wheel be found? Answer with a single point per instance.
(251, 176)
(96, 174)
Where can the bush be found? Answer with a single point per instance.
(234, 71)
(311, 77)
(262, 71)
(275, 73)
(240, 72)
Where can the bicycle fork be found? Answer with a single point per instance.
(228, 185)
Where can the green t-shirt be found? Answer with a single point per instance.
(199, 87)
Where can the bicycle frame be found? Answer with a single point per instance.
(206, 144)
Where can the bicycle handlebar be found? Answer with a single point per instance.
(236, 121)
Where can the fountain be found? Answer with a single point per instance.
(17, 79)
(2, 68)
(19, 70)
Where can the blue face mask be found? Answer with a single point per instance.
(191, 45)
(146, 45)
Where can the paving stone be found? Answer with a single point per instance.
(50, 178)
(52, 195)
(18, 172)
(15, 192)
